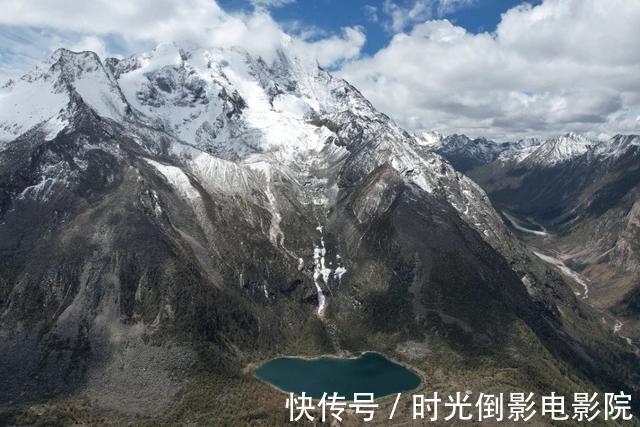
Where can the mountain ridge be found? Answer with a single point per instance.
(578, 200)
(543, 152)
(229, 210)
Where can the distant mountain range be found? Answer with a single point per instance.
(467, 154)
(171, 219)
(584, 193)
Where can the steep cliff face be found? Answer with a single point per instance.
(179, 209)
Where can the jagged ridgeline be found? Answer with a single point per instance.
(170, 218)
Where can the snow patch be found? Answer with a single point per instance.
(38, 191)
(516, 224)
(54, 126)
(616, 330)
(26, 105)
(322, 273)
(566, 271)
(339, 272)
(527, 284)
(177, 178)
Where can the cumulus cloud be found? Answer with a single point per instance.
(563, 65)
(335, 49)
(140, 24)
(403, 14)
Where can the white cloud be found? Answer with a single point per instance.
(140, 24)
(370, 12)
(335, 49)
(271, 3)
(563, 65)
(93, 44)
(197, 21)
(446, 7)
(24, 46)
(403, 15)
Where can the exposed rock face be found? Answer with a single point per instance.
(176, 207)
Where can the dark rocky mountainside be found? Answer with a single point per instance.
(578, 199)
(170, 219)
(464, 153)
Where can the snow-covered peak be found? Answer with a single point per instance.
(235, 117)
(48, 88)
(469, 151)
(618, 145)
(560, 149)
(519, 150)
(432, 139)
(463, 141)
(84, 61)
(232, 104)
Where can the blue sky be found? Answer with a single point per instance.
(332, 15)
(503, 69)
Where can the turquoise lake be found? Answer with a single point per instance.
(369, 373)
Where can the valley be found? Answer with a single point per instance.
(558, 188)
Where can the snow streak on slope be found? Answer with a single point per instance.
(320, 271)
(178, 179)
(215, 174)
(516, 224)
(560, 265)
(617, 328)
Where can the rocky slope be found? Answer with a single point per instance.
(462, 152)
(578, 198)
(173, 216)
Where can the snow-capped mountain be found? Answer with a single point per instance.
(518, 150)
(39, 97)
(205, 208)
(617, 146)
(288, 116)
(466, 154)
(431, 139)
(583, 197)
(560, 149)
(461, 151)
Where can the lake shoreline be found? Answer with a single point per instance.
(253, 366)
